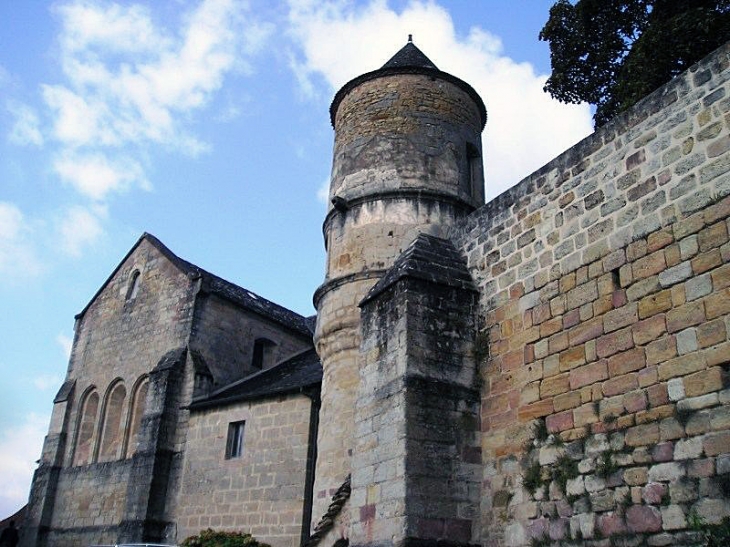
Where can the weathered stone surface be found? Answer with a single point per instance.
(673, 517)
(654, 492)
(666, 472)
(716, 443)
(685, 449)
(643, 518)
(636, 476)
(601, 289)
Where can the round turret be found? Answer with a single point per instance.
(407, 160)
(407, 126)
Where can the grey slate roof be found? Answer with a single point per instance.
(213, 284)
(294, 375)
(409, 56)
(428, 258)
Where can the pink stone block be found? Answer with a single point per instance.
(663, 452)
(560, 421)
(643, 518)
(610, 524)
(654, 492)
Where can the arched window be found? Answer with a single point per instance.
(132, 286)
(263, 353)
(135, 420)
(83, 452)
(112, 432)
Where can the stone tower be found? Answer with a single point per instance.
(407, 160)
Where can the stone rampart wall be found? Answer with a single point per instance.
(605, 308)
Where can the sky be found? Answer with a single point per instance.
(205, 123)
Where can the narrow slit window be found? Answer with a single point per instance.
(234, 444)
(473, 158)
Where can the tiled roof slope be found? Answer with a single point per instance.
(220, 287)
(298, 373)
(428, 258)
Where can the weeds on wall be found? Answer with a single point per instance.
(606, 465)
(537, 477)
(713, 535)
(532, 480)
(564, 469)
(550, 462)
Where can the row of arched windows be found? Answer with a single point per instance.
(108, 429)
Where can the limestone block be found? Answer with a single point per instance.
(666, 472)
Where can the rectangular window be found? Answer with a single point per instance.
(234, 444)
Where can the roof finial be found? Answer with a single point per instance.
(410, 37)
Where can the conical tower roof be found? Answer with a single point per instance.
(409, 56)
(408, 60)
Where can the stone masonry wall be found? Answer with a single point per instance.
(406, 131)
(224, 334)
(91, 514)
(416, 461)
(119, 338)
(604, 348)
(262, 492)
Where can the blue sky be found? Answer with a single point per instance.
(205, 123)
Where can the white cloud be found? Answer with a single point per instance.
(80, 227)
(26, 129)
(20, 447)
(18, 260)
(65, 343)
(95, 175)
(130, 81)
(525, 127)
(115, 28)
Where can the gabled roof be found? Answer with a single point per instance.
(428, 258)
(213, 284)
(408, 60)
(299, 373)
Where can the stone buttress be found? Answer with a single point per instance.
(416, 468)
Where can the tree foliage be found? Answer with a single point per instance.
(214, 538)
(612, 53)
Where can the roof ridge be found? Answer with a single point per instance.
(216, 285)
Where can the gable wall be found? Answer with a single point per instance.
(116, 339)
(605, 305)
